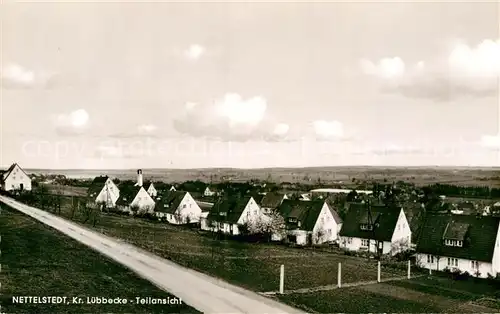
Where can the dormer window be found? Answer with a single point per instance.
(457, 243)
(222, 213)
(368, 227)
(291, 219)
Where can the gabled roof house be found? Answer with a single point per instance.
(375, 228)
(104, 191)
(178, 207)
(312, 222)
(468, 243)
(228, 215)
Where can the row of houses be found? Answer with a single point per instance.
(451, 241)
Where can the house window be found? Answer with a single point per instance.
(366, 227)
(329, 232)
(399, 227)
(460, 243)
(322, 220)
(255, 212)
(183, 205)
(364, 242)
(452, 262)
(474, 264)
(430, 259)
(349, 240)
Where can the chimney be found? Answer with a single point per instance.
(139, 177)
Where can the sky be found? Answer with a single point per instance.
(249, 85)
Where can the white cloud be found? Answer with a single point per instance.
(230, 117)
(72, 123)
(17, 74)
(387, 68)
(328, 129)
(281, 129)
(194, 52)
(146, 128)
(465, 71)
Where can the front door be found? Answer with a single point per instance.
(21, 186)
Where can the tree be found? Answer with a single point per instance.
(272, 224)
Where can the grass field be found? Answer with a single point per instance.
(419, 295)
(254, 266)
(39, 261)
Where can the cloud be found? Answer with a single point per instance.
(490, 141)
(328, 130)
(15, 76)
(73, 123)
(231, 118)
(464, 72)
(140, 131)
(194, 52)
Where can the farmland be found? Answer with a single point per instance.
(347, 176)
(38, 261)
(419, 295)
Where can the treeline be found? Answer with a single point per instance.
(462, 191)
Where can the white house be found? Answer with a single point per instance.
(467, 243)
(172, 188)
(15, 178)
(229, 215)
(178, 207)
(103, 191)
(210, 191)
(134, 199)
(377, 229)
(152, 190)
(271, 201)
(310, 222)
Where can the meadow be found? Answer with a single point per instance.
(428, 294)
(39, 261)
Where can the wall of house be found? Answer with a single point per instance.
(301, 236)
(401, 238)
(207, 192)
(251, 213)
(496, 254)
(326, 229)
(188, 210)
(356, 244)
(152, 191)
(463, 265)
(109, 194)
(15, 179)
(204, 224)
(143, 201)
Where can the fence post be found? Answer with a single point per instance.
(378, 271)
(409, 269)
(282, 279)
(339, 276)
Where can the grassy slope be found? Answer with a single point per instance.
(38, 261)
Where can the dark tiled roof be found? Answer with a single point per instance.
(6, 173)
(169, 202)
(479, 234)
(257, 197)
(96, 186)
(272, 200)
(305, 212)
(414, 213)
(128, 192)
(228, 209)
(384, 220)
(335, 215)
